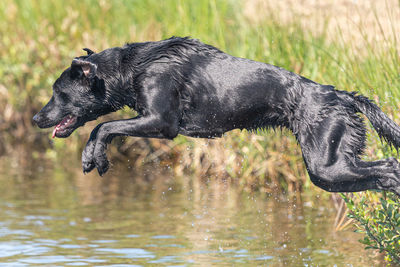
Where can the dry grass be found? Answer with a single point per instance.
(353, 22)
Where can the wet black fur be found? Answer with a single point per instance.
(182, 86)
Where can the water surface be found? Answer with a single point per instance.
(52, 215)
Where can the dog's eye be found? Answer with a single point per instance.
(63, 96)
(76, 73)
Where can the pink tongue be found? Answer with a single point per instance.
(64, 123)
(54, 132)
(57, 128)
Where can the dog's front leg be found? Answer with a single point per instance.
(87, 154)
(150, 126)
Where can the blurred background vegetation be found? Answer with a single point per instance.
(352, 46)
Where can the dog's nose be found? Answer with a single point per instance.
(36, 118)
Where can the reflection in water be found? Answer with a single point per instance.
(55, 215)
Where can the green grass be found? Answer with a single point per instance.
(39, 39)
(379, 221)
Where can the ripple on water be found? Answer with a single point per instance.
(21, 234)
(14, 264)
(9, 249)
(167, 259)
(322, 251)
(163, 237)
(59, 259)
(132, 236)
(133, 253)
(104, 241)
(264, 258)
(125, 265)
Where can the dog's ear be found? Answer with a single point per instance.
(89, 51)
(80, 66)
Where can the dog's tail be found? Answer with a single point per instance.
(384, 126)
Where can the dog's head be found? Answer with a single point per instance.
(79, 95)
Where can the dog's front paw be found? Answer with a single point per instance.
(102, 166)
(87, 157)
(100, 160)
(87, 166)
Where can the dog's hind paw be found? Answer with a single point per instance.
(395, 190)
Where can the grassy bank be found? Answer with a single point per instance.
(39, 39)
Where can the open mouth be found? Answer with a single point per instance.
(65, 126)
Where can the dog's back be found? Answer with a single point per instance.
(218, 92)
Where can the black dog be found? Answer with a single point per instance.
(182, 86)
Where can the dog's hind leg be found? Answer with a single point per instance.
(331, 150)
